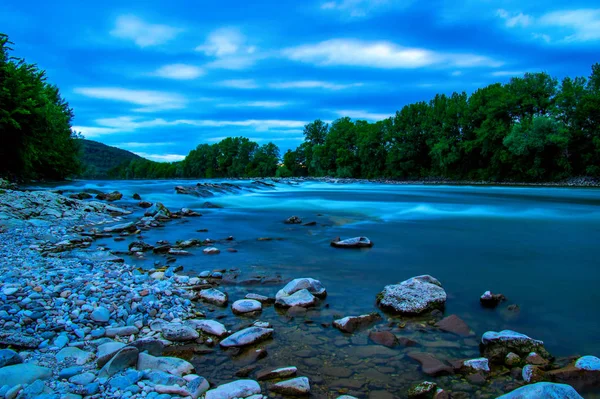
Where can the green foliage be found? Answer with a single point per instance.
(98, 159)
(35, 123)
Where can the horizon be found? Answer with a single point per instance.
(158, 80)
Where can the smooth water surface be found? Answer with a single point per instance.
(537, 246)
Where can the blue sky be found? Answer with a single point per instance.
(158, 78)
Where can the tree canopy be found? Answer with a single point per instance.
(35, 123)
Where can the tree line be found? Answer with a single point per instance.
(533, 128)
(35, 123)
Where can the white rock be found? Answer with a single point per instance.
(211, 251)
(480, 364)
(302, 298)
(413, 296)
(590, 363)
(296, 386)
(236, 389)
(247, 336)
(545, 390)
(246, 306)
(208, 326)
(213, 296)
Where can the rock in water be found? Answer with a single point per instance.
(294, 387)
(208, 327)
(385, 338)
(479, 364)
(414, 296)
(270, 374)
(244, 306)
(489, 300)
(430, 364)
(213, 296)
(178, 332)
(497, 345)
(350, 324)
(543, 390)
(293, 220)
(584, 374)
(247, 336)
(356, 242)
(422, 390)
(454, 325)
(211, 251)
(236, 389)
(300, 292)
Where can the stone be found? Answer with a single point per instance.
(535, 359)
(247, 336)
(350, 324)
(106, 351)
(384, 338)
(260, 298)
(356, 242)
(300, 292)
(197, 386)
(23, 373)
(244, 306)
(430, 364)
(173, 365)
(123, 359)
(236, 389)
(270, 374)
(69, 372)
(293, 220)
(584, 374)
(532, 374)
(422, 390)
(164, 378)
(178, 332)
(479, 364)
(83, 379)
(211, 251)
(80, 357)
(9, 357)
(512, 359)
(118, 228)
(545, 390)
(100, 315)
(489, 300)
(121, 331)
(299, 386)
(496, 345)
(455, 325)
(414, 296)
(213, 296)
(210, 327)
(151, 345)
(589, 363)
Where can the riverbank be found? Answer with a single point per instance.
(82, 322)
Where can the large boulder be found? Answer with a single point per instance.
(543, 390)
(158, 211)
(496, 345)
(356, 242)
(247, 336)
(414, 296)
(114, 196)
(300, 292)
(349, 324)
(583, 374)
(23, 373)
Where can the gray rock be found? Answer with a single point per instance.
(117, 228)
(246, 337)
(350, 324)
(543, 390)
(588, 363)
(210, 327)
(164, 378)
(106, 351)
(123, 359)
(306, 283)
(23, 373)
(70, 372)
(355, 242)
(282, 372)
(479, 364)
(83, 379)
(244, 306)
(236, 389)
(497, 345)
(197, 387)
(9, 357)
(171, 365)
(100, 315)
(121, 331)
(302, 298)
(295, 387)
(178, 332)
(413, 296)
(213, 296)
(80, 357)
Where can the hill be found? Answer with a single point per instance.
(98, 158)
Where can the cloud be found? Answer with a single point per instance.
(258, 124)
(456, 73)
(229, 48)
(361, 114)
(313, 84)
(94, 131)
(161, 157)
(142, 33)
(584, 24)
(507, 73)
(134, 144)
(239, 83)
(257, 104)
(360, 8)
(179, 72)
(382, 54)
(512, 20)
(150, 101)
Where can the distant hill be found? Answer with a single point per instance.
(98, 158)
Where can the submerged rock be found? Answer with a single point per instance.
(356, 242)
(430, 364)
(497, 345)
(489, 300)
(385, 338)
(300, 292)
(454, 325)
(295, 387)
(545, 390)
(236, 389)
(413, 296)
(350, 324)
(247, 336)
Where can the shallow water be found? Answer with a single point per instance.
(537, 246)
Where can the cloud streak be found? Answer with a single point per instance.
(150, 101)
(179, 72)
(142, 33)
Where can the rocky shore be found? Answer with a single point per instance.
(77, 321)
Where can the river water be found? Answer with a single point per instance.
(538, 246)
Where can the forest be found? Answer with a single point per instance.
(35, 123)
(533, 128)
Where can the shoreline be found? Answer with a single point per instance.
(88, 324)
